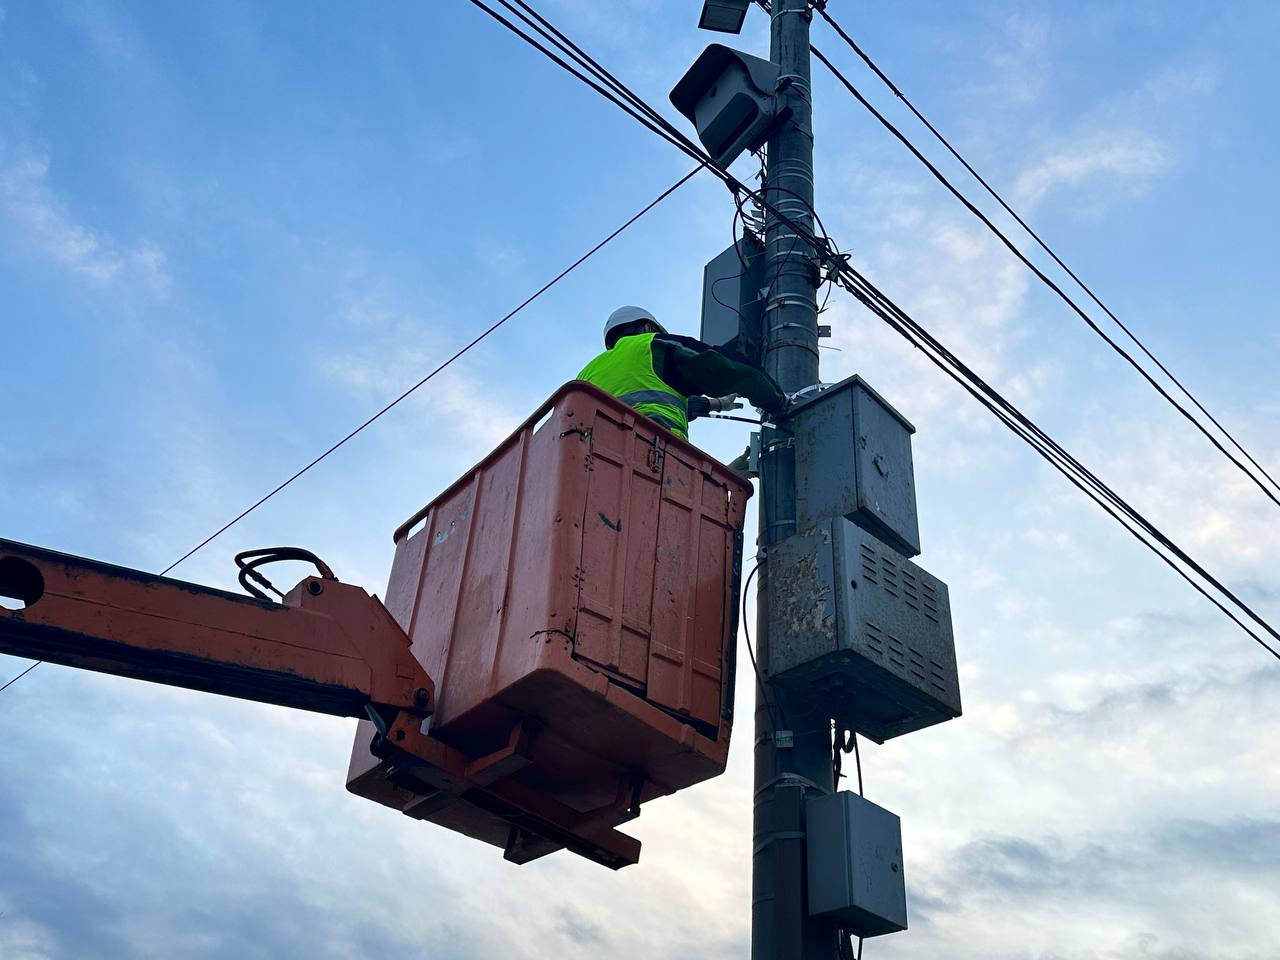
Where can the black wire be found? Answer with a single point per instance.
(547, 286)
(634, 105)
(747, 227)
(846, 950)
(20, 676)
(857, 758)
(830, 244)
(1048, 448)
(1013, 418)
(1036, 237)
(733, 232)
(755, 666)
(1046, 280)
(534, 296)
(617, 93)
(812, 212)
(823, 306)
(717, 282)
(1142, 522)
(845, 741)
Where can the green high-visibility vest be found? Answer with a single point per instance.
(626, 371)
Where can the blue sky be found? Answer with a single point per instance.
(229, 232)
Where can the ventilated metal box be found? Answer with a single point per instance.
(862, 630)
(853, 854)
(856, 455)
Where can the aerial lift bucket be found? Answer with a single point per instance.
(577, 593)
(555, 650)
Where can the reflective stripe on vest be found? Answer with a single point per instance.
(626, 371)
(655, 396)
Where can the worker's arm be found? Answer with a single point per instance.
(695, 368)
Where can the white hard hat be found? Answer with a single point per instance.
(628, 315)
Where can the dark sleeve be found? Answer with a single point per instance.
(698, 407)
(694, 368)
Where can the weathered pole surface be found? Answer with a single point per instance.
(800, 764)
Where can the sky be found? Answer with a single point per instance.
(231, 231)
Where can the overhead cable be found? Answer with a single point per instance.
(485, 333)
(11, 682)
(1128, 357)
(479, 337)
(866, 292)
(1079, 475)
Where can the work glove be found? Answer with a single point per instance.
(730, 402)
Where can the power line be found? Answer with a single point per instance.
(490, 329)
(1132, 361)
(616, 92)
(528, 300)
(20, 676)
(1043, 245)
(1133, 521)
(1080, 476)
(1058, 450)
(604, 83)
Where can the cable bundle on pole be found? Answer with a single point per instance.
(883, 307)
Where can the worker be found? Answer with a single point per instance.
(673, 379)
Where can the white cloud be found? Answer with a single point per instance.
(1131, 158)
(166, 800)
(21, 939)
(391, 347)
(962, 286)
(1016, 52)
(40, 221)
(1173, 475)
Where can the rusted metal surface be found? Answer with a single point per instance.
(556, 648)
(329, 648)
(579, 584)
(480, 797)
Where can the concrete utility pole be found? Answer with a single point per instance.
(792, 755)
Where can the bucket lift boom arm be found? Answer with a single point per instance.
(329, 647)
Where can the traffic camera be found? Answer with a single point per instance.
(730, 98)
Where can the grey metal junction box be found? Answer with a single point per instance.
(853, 852)
(857, 452)
(862, 631)
(732, 304)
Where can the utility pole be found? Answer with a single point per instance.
(851, 633)
(794, 762)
